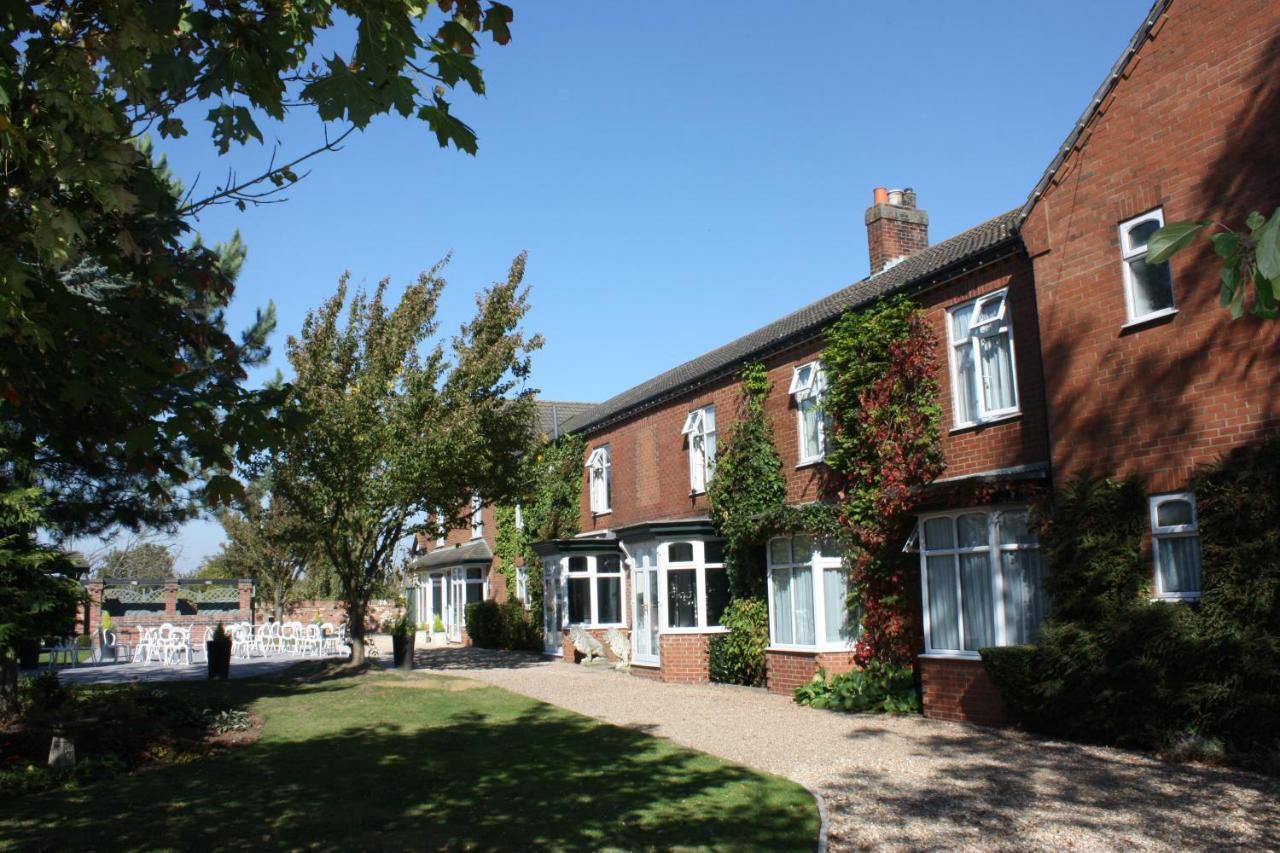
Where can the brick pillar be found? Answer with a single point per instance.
(94, 621)
(246, 599)
(170, 600)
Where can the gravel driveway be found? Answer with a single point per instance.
(910, 783)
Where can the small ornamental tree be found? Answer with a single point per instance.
(393, 429)
(884, 448)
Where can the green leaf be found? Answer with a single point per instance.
(232, 124)
(497, 20)
(1225, 244)
(1254, 220)
(447, 128)
(1230, 274)
(1172, 238)
(452, 67)
(173, 128)
(1267, 250)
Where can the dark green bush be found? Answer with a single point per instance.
(502, 626)
(738, 656)
(879, 688)
(1113, 666)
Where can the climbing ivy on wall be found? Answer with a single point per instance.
(550, 510)
(884, 447)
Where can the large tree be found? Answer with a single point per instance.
(268, 542)
(118, 378)
(138, 560)
(397, 425)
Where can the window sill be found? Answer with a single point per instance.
(709, 630)
(977, 425)
(1176, 597)
(593, 626)
(950, 656)
(646, 664)
(1148, 319)
(596, 513)
(809, 463)
(809, 650)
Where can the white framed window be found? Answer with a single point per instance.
(595, 589)
(1175, 543)
(700, 429)
(808, 389)
(808, 594)
(600, 479)
(984, 383)
(477, 517)
(522, 585)
(519, 522)
(695, 585)
(983, 580)
(441, 528)
(1148, 288)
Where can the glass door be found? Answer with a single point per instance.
(457, 600)
(554, 607)
(644, 583)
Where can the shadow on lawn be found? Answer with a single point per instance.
(1001, 783)
(539, 778)
(471, 657)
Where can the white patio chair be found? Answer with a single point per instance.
(329, 641)
(108, 647)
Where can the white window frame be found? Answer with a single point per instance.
(519, 522)
(700, 429)
(997, 325)
(698, 565)
(1173, 531)
(1128, 256)
(522, 585)
(477, 517)
(593, 572)
(809, 385)
(817, 564)
(600, 479)
(992, 549)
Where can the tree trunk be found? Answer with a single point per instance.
(8, 681)
(278, 605)
(355, 624)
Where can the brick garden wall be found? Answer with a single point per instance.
(959, 690)
(787, 670)
(685, 658)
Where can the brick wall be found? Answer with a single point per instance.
(787, 670)
(685, 658)
(1191, 126)
(959, 690)
(126, 626)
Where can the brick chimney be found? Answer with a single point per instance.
(895, 228)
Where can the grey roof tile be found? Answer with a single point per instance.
(915, 270)
(552, 415)
(476, 550)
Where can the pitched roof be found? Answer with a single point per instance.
(552, 415)
(916, 271)
(475, 551)
(1113, 77)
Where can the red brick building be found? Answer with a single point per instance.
(1063, 351)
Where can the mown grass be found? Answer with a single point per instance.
(388, 761)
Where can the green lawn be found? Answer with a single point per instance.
(388, 761)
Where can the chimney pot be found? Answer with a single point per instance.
(896, 228)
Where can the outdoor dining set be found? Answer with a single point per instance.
(169, 644)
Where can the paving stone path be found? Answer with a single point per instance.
(912, 783)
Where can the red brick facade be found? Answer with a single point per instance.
(786, 670)
(959, 690)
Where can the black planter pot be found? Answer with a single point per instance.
(218, 653)
(402, 651)
(28, 654)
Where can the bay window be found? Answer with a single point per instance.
(982, 578)
(808, 388)
(983, 374)
(594, 585)
(1175, 543)
(700, 429)
(808, 594)
(1148, 288)
(697, 589)
(600, 480)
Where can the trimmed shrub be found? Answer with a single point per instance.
(738, 656)
(519, 631)
(878, 688)
(1113, 666)
(502, 626)
(484, 624)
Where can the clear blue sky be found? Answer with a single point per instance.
(680, 174)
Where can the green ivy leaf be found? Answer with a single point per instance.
(1267, 250)
(1172, 238)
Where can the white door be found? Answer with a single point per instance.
(644, 583)
(457, 601)
(554, 607)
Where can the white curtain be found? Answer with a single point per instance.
(944, 603)
(835, 591)
(997, 372)
(1180, 564)
(978, 598)
(802, 579)
(782, 629)
(1023, 596)
(809, 419)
